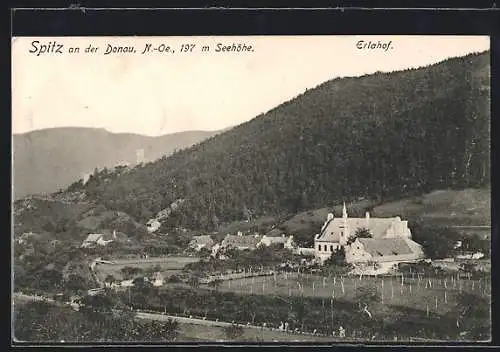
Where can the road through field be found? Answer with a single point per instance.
(179, 260)
(250, 331)
(169, 266)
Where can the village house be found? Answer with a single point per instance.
(153, 225)
(475, 256)
(218, 252)
(390, 239)
(157, 279)
(98, 239)
(26, 237)
(127, 283)
(112, 283)
(241, 242)
(383, 250)
(305, 251)
(95, 291)
(274, 232)
(199, 242)
(286, 241)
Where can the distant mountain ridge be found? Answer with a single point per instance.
(50, 159)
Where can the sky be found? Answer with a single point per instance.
(160, 93)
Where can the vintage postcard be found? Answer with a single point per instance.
(323, 189)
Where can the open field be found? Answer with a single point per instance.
(443, 207)
(434, 293)
(169, 265)
(191, 332)
(440, 208)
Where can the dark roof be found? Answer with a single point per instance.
(249, 241)
(386, 246)
(274, 233)
(203, 239)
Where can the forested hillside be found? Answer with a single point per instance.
(48, 160)
(379, 136)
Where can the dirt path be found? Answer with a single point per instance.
(185, 260)
(205, 327)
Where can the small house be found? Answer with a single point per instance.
(98, 239)
(199, 242)
(127, 283)
(286, 241)
(153, 225)
(305, 251)
(157, 279)
(241, 242)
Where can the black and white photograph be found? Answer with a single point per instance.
(251, 189)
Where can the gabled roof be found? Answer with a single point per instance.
(157, 276)
(200, 240)
(274, 233)
(93, 237)
(106, 235)
(249, 241)
(277, 239)
(376, 226)
(386, 246)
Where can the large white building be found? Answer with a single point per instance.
(390, 239)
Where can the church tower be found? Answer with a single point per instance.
(344, 232)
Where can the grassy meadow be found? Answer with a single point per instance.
(169, 266)
(436, 294)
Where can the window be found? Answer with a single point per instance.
(319, 248)
(331, 248)
(326, 248)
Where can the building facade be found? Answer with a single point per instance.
(337, 232)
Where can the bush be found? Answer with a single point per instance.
(233, 332)
(438, 243)
(174, 279)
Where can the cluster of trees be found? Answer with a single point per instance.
(439, 243)
(129, 272)
(233, 332)
(359, 233)
(262, 257)
(42, 322)
(50, 269)
(377, 136)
